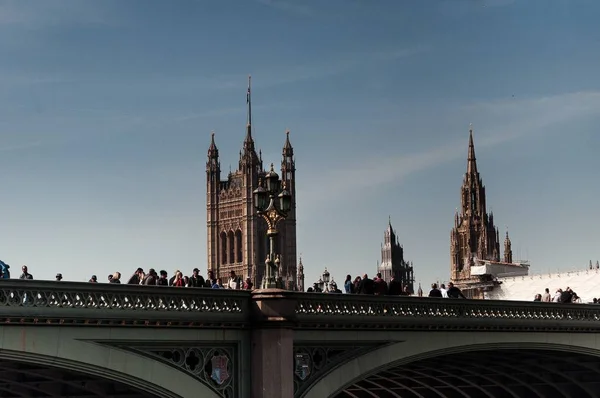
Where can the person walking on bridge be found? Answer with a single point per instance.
(454, 292)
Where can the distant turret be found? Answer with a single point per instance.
(300, 276)
(507, 249)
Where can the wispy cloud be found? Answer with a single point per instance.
(217, 113)
(461, 8)
(510, 120)
(294, 7)
(50, 13)
(497, 3)
(337, 64)
(17, 147)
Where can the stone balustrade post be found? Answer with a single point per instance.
(272, 344)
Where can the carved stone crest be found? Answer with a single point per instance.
(219, 373)
(302, 365)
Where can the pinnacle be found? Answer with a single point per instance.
(212, 149)
(471, 160)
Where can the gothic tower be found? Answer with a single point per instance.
(300, 284)
(508, 250)
(287, 227)
(474, 236)
(213, 184)
(236, 235)
(392, 260)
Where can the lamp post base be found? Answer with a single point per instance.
(271, 283)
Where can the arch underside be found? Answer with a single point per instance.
(486, 374)
(30, 380)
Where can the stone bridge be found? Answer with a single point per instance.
(84, 340)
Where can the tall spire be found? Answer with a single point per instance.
(471, 160)
(249, 104)
(249, 153)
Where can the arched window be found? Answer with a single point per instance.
(223, 242)
(238, 246)
(230, 247)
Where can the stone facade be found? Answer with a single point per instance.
(392, 260)
(474, 238)
(236, 235)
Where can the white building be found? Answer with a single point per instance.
(585, 282)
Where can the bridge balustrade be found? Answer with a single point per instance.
(50, 302)
(80, 303)
(317, 310)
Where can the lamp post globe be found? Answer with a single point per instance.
(285, 200)
(272, 181)
(261, 197)
(320, 284)
(326, 276)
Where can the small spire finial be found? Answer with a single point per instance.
(272, 167)
(471, 160)
(249, 100)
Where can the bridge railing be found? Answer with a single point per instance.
(339, 311)
(76, 303)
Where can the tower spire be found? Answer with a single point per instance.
(249, 104)
(288, 144)
(249, 151)
(471, 160)
(213, 152)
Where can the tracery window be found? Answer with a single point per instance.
(238, 246)
(223, 242)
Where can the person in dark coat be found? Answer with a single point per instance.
(454, 292)
(435, 292)
(366, 285)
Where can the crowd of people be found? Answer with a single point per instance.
(359, 285)
(560, 296)
(379, 287)
(153, 278)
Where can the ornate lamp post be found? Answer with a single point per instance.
(273, 203)
(320, 284)
(326, 279)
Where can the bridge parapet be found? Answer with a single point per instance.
(76, 303)
(336, 311)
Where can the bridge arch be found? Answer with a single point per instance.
(81, 350)
(421, 355)
(32, 375)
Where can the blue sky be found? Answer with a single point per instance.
(106, 109)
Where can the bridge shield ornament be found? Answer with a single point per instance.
(302, 364)
(220, 371)
(313, 361)
(212, 366)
